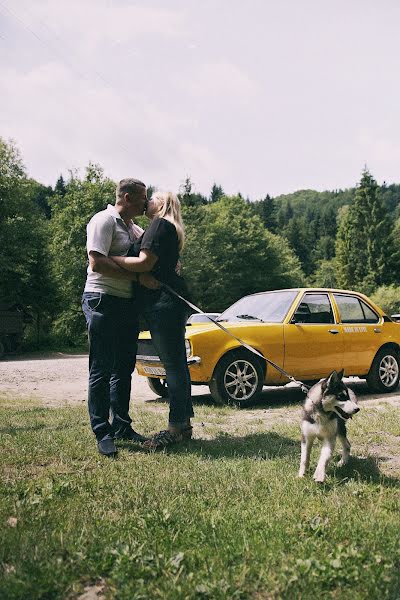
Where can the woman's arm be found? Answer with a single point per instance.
(104, 265)
(141, 264)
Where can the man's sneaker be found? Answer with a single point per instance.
(107, 447)
(131, 435)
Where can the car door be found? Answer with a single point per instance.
(313, 338)
(361, 333)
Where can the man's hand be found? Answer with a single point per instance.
(149, 281)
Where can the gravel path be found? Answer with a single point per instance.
(58, 379)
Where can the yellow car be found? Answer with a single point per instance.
(308, 332)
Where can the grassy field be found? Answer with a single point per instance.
(222, 517)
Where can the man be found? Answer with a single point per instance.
(111, 317)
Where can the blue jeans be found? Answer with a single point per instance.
(166, 319)
(113, 330)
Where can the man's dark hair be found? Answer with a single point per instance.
(128, 186)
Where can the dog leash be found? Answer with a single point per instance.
(303, 386)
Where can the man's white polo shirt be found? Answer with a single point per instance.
(108, 234)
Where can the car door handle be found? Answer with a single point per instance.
(377, 330)
(333, 331)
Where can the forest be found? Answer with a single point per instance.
(234, 246)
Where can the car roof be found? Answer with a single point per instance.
(309, 289)
(323, 290)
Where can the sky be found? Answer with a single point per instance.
(261, 97)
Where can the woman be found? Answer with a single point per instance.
(158, 251)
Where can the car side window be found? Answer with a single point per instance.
(370, 316)
(354, 310)
(315, 309)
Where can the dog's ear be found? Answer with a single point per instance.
(332, 380)
(340, 374)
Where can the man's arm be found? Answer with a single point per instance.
(102, 264)
(106, 266)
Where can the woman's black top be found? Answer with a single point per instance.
(161, 239)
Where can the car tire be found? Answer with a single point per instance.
(158, 386)
(384, 373)
(237, 380)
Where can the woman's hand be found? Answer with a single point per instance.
(149, 281)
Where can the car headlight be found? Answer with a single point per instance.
(188, 348)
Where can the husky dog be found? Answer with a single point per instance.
(329, 403)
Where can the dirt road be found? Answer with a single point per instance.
(58, 379)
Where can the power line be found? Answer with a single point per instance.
(80, 74)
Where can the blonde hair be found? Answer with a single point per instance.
(170, 209)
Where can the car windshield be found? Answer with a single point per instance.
(271, 307)
(202, 318)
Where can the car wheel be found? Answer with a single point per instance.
(238, 379)
(158, 386)
(384, 373)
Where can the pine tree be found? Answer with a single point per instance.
(364, 247)
(296, 234)
(60, 187)
(216, 193)
(188, 197)
(269, 216)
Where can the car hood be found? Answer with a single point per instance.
(195, 328)
(205, 327)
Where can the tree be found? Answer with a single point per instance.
(150, 190)
(325, 275)
(297, 234)
(229, 253)
(284, 214)
(41, 195)
(267, 211)
(365, 252)
(188, 197)
(216, 193)
(324, 248)
(388, 298)
(268, 214)
(24, 268)
(70, 215)
(60, 187)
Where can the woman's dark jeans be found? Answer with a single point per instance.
(113, 329)
(166, 320)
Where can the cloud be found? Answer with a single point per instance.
(61, 123)
(162, 90)
(220, 80)
(94, 24)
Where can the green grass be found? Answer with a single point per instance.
(224, 517)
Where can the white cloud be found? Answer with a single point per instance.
(96, 23)
(161, 90)
(61, 123)
(220, 80)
